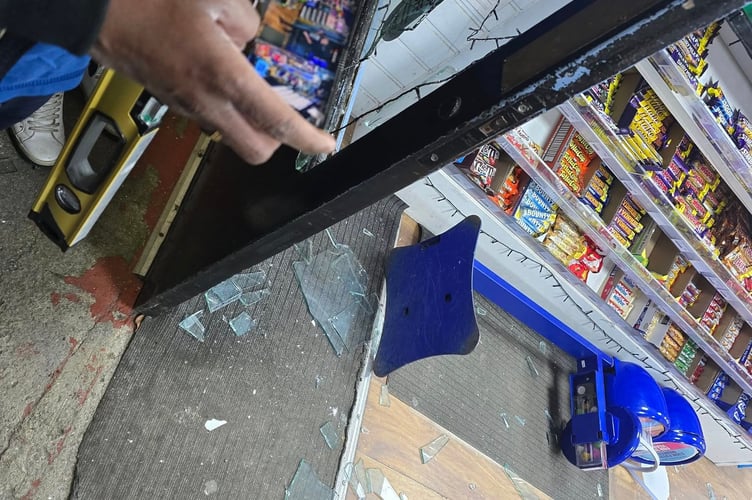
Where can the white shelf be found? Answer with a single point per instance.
(672, 87)
(596, 229)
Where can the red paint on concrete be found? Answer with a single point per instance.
(27, 409)
(113, 287)
(35, 484)
(58, 449)
(83, 394)
(55, 298)
(73, 345)
(72, 297)
(27, 350)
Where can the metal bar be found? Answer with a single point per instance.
(504, 295)
(577, 47)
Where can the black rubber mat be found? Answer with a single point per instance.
(275, 387)
(468, 395)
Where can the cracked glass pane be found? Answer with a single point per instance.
(246, 281)
(430, 450)
(334, 285)
(380, 486)
(222, 295)
(306, 485)
(242, 324)
(250, 298)
(330, 435)
(192, 324)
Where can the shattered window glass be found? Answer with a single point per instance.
(334, 285)
(306, 485)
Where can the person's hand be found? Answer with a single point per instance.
(188, 53)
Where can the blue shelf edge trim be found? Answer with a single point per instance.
(506, 296)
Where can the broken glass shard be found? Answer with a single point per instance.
(250, 298)
(334, 285)
(531, 366)
(524, 489)
(330, 435)
(210, 487)
(192, 324)
(543, 347)
(358, 480)
(599, 490)
(402, 496)
(504, 419)
(368, 233)
(431, 449)
(548, 416)
(711, 491)
(384, 396)
(380, 486)
(242, 324)
(520, 420)
(480, 311)
(222, 295)
(246, 281)
(306, 485)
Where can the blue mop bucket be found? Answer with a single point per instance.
(631, 387)
(684, 442)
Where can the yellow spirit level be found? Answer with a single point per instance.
(82, 184)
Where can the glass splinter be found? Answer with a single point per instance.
(306, 485)
(250, 298)
(520, 420)
(548, 415)
(359, 481)
(330, 435)
(384, 396)
(242, 324)
(247, 281)
(543, 347)
(430, 450)
(504, 419)
(531, 366)
(192, 324)
(368, 233)
(480, 311)
(380, 486)
(222, 295)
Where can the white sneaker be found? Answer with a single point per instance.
(41, 136)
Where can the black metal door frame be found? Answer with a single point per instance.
(236, 215)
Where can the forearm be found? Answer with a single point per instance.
(71, 24)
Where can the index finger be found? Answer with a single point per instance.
(261, 106)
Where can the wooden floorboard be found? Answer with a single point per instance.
(392, 438)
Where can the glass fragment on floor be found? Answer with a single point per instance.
(368, 233)
(246, 281)
(242, 324)
(520, 420)
(531, 366)
(329, 433)
(210, 487)
(380, 486)
(250, 298)
(384, 396)
(358, 480)
(481, 311)
(599, 490)
(549, 417)
(222, 295)
(334, 285)
(505, 420)
(711, 491)
(192, 324)
(524, 489)
(306, 485)
(543, 347)
(430, 450)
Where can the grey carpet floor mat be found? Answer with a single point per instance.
(274, 387)
(468, 395)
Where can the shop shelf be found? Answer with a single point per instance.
(596, 229)
(673, 88)
(693, 392)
